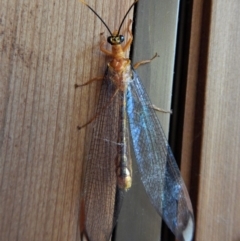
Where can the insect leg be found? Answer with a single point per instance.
(129, 42)
(88, 82)
(160, 109)
(145, 61)
(98, 113)
(105, 51)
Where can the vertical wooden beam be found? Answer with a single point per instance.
(46, 47)
(213, 139)
(220, 169)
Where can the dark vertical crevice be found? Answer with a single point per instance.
(180, 76)
(179, 92)
(200, 100)
(133, 30)
(179, 88)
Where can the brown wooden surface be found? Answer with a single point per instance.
(212, 128)
(46, 47)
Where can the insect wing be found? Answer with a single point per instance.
(158, 169)
(100, 196)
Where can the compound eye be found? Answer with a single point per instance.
(114, 40)
(109, 39)
(121, 38)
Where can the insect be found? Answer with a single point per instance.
(125, 115)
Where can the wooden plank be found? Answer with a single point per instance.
(219, 192)
(46, 47)
(212, 132)
(155, 31)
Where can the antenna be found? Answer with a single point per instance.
(82, 1)
(125, 17)
(97, 16)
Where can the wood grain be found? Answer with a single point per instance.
(46, 47)
(212, 131)
(220, 167)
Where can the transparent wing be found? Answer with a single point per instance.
(100, 196)
(159, 172)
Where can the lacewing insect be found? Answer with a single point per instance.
(125, 114)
